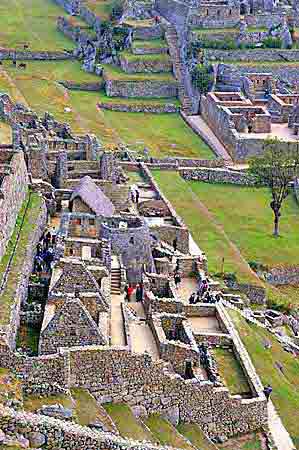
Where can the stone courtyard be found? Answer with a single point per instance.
(109, 312)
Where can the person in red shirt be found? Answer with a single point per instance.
(130, 292)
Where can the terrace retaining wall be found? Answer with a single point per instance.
(11, 54)
(221, 175)
(142, 88)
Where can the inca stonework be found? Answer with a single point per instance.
(126, 306)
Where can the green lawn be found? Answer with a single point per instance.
(192, 432)
(87, 410)
(154, 43)
(101, 8)
(247, 219)
(165, 433)
(126, 423)
(32, 22)
(231, 371)
(159, 57)
(285, 385)
(163, 134)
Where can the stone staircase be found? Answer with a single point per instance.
(115, 276)
(171, 37)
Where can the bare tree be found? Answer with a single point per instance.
(276, 168)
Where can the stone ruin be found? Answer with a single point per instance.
(89, 329)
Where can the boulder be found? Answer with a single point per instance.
(36, 439)
(139, 411)
(172, 415)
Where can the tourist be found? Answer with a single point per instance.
(139, 293)
(177, 279)
(137, 195)
(133, 196)
(130, 292)
(198, 297)
(268, 391)
(207, 296)
(192, 299)
(175, 244)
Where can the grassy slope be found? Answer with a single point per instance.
(7, 297)
(32, 22)
(231, 371)
(285, 385)
(248, 221)
(195, 436)
(209, 238)
(126, 423)
(165, 432)
(163, 134)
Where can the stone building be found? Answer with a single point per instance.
(87, 197)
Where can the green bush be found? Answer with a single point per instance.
(272, 42)
(257, 266)
(226, 44)
(117, 10)
(202, 77)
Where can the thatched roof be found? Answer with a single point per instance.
(93, 197)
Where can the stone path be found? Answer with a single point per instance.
(142, 339)
(280, 435)
(199, 126)
(117, 323)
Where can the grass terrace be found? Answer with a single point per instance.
(231, 371)
(116, 73)
(31, 22)
(165, 433)
(153, 43)
(5, 133)
(38, 87)
(195, 435)
(215, 30)
(163, 57)
(126, 423)
(285, 384)
(31, 216)
(140, 23)
(101, 8)
(137, 100)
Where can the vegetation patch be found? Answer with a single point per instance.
(126, 422)
(196, 436)
(231, 371)
(165, 433)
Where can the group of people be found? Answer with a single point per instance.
(204, 294)
(135, 194)
(131, 290)
(45, 253)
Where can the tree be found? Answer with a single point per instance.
(276, 168)
(202, 77)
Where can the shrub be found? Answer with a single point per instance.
(202, 77)
(257, 266)
(272, 42)
(116, 10)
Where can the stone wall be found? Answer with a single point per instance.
(11, 54)
(145, 65)
(167, 108)
(148, 33)
(142, 88)
(83, 86)
(168, 233)
(258, 55)
(72, 31)
(13, 191)
(221, 175)
(283, 275)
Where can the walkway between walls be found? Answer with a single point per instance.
(280, 435)
(199, 126)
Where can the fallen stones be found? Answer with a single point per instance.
(57, 411)
(36, 439)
